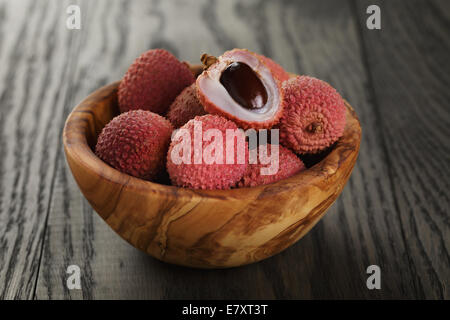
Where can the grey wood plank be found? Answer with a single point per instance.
(409, 74)
(75, 234)
(359, 230)
(319, 38)
(36, 63)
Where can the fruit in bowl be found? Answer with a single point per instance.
(224, 184)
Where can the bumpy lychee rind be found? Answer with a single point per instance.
(214, 71)
(185, 107)
(153, 81)
(314, 115)
(135, 143)
(288, 165)
(203, 175)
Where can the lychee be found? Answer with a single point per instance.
(208, 152)
(153, 81)
(278, 72)
(241, 87)
(314, 115)
(285, 165)
(185, 107)
(136, 143)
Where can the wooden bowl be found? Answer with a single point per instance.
(203, 228)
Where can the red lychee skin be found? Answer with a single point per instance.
(185, 107)
(135, 143)
(278, 72)
(210, 107)
(314, 115)
(207, 176)
(288, 165)
(153, 81)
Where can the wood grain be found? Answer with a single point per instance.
(410, 90)
(393, 212)
(36, 59)
(203, 228)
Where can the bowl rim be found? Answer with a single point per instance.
(76, 148)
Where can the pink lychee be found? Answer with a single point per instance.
(153, 81)
(185, 107)
(135, 143)
(288, 164)
(205, 174)
(314, 115)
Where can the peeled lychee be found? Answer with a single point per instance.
(207, 164)
(135, 143)
(287, 165)
(185, 107)
(278, 72)
(314, 115)
(153, 81)
(240, 86)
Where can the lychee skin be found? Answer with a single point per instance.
(314, 115)
(288, 165)
(153, 81)
(278, 72)
(185, 107)
(207, 176)
(135, 143)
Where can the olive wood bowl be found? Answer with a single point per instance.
(203, 228)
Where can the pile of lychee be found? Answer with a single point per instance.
(160, 96)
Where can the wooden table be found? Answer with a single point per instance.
(394, 212)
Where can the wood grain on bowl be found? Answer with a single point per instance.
(203, 228)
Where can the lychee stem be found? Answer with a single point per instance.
(208, 60)
(315, 127)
